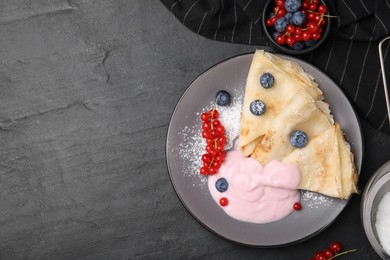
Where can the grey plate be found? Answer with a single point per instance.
(318, 211)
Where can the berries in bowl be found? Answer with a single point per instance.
(294, 26)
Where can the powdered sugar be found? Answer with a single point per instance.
(193, 145)
(382, 223)
(312, 200)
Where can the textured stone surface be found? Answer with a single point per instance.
(87, 88)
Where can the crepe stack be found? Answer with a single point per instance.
(295, 102)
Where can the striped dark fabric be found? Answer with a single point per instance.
(349, 55)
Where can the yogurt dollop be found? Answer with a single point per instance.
(256, 194)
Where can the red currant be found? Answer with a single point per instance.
(305, 5)
(328, 253)
(205, 116)
(214, 113)
(317, 18)
(312, 27)
(297, 206)
(213, 152)
(316, 2)
(320, 256)
(297, 38)
(336, 247)
(279, 3)
(312, 7)
(221, 140)
(322, 9)
(290, 28)
(209, 148)
(206, 134)
(218, 158)
(206, 126)
(204, 170)
(281, 12)
(311, 16)
(220, 130)
(212, 170)
(298, 31)
(210, 141)
(217, 165)
(269, 22)
(214, 133)
(306, 36)
(206, 158)
(280, 39)
(316, 36)
(216, 123)
(219, 148)
(223, 202)
(290, 40)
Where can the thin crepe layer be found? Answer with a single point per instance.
(326, 165)
(295, 103)
(287, 74)
(300, 113)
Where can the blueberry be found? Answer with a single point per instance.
(221, 184)
(223, 98)
(298, 19)
(298, 46)
(310, 43)
(288, 17)
(267, 80)
(292, 5)
(298, 139)
(257, 107)
(281, 24)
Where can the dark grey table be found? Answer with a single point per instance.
(87, 88)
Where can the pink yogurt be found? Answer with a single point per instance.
(256, 194)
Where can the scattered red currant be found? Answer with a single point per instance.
(297, 206)
(223, 202)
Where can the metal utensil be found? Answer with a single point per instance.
(384, 75)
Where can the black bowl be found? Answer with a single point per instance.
(268, 8)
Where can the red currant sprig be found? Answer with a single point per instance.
(214, 134)
(332, 252)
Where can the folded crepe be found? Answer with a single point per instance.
(301, 113)
(295, 102)
(289, 79)
(326, 164)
